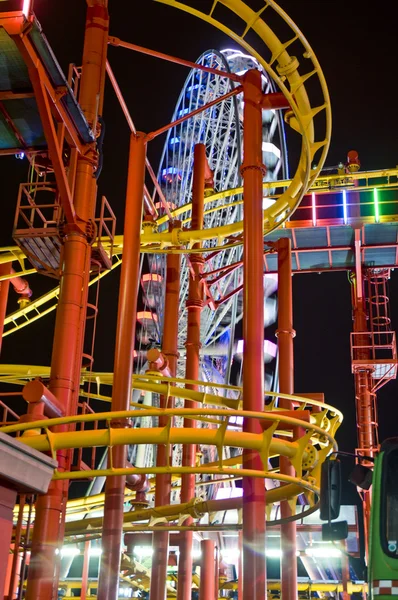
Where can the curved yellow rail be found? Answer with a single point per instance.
(219, 427)
(160, 242)
(290, 76)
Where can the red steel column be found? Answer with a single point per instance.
(160, 539)
(86, 565)
(16, 557)
(5, 269)
(254, 564)
(345, 572)
(207, 571)
(108, 584)
(285, 335)
(193, 345)
(71, 314)
(363, 394)
(240, 566)
(7, 503)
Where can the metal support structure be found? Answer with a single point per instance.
(5, 269)
(192, 370)
(285, 334)
(16, 556)
(364, 397)
(160, 539)
(8, 497)
(71, 314)
(108, 584)
(85, 570)
(207, 571)
(254, 563)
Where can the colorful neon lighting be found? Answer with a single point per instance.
(345, 214)
(313, 209)
(376, 203)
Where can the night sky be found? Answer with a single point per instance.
(357, 50)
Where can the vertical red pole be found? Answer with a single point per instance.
(192, 369)
(254, 564)
(16, 557)
(217, 573)
(345, 572)
(285, 335)
(7, 503)
(71, 314)
(240, 568)
(363, 394)
(160, 539)
(5, 269)
(207, 570)
(86, 564)
(108, 584)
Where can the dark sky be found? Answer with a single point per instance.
(356, 47)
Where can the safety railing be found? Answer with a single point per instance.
(102, 249)
(376, 351)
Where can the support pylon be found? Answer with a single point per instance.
(160, 539)
(285, 335)
(71, 315)
(254, 565)
(108, 584)
(192, 369)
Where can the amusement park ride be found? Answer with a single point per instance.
(198, 462)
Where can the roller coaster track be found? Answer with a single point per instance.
(366, 180)
(219, 427)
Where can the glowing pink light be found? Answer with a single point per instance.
(269, 348)
(313, 209)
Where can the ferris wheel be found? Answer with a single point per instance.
(220, 130)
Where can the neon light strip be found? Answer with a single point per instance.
(345, 216)
(26, 7)
(313, 210)
(376, 201)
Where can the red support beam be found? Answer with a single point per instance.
(54, 149)
(195, 112)
(192, 369)
(86, 564)
(69, 331)
(207, 571)
(254, 563)
(5, 269)
(8, 498)
(285, 335)
(114, 41)
(108, 584)
(160, 540)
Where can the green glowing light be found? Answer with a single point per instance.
(376, 203)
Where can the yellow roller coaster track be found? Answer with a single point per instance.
(219, 428)
(367, 180)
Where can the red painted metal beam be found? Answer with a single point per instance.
(54, 149)
(114, 41)
(195, 112)
(5, 269)
(207, 589)
(108, 584)
(160, 541)
(66, 359)
(192, 366)
(285, 335)
(254, 564)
